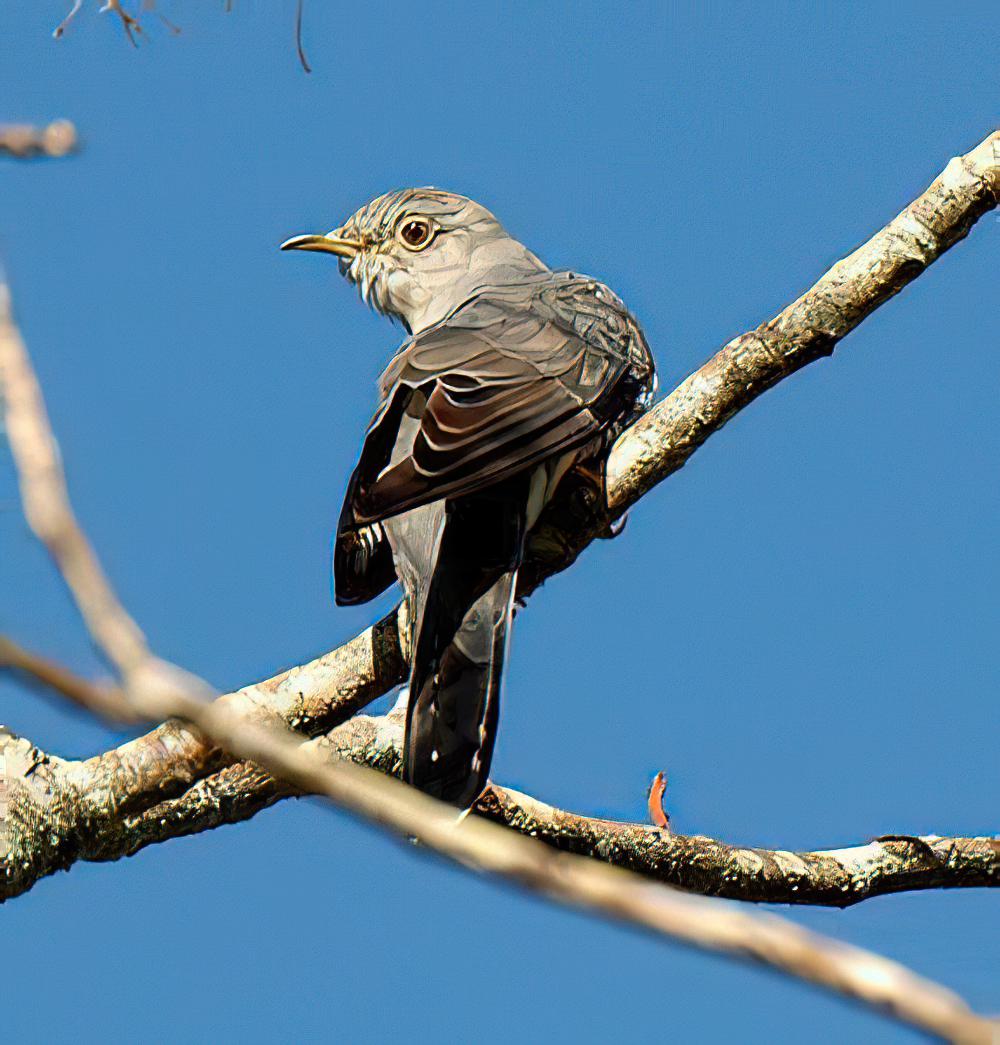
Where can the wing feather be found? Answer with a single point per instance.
(511, 377)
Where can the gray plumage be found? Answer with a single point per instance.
(511, 375)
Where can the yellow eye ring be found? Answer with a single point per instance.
(415, 233)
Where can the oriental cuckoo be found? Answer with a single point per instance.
(511, 374)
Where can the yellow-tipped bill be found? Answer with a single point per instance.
(343, 248)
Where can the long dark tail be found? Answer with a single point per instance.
(461, 639)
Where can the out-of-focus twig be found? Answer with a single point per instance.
(107, 701)
(61, 28)
(698, 921)
(51, 518)
(25, 140)
(114, 803)
(130, 24)
(154, 689)
(150, 5)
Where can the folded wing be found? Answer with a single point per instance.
(509, 379)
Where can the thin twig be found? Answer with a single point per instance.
(106, 701)
(654, 803)
(61, 28)
(133, 26)
(298, 38)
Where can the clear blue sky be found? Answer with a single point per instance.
(801, 627)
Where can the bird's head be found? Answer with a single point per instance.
(418, 253)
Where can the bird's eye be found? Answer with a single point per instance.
(415, 233)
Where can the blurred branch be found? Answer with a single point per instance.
(106, 701)
(129, 23)
(61, 28)
(642, 457)
(25, 140)
(145, 677)
(155, 688)
(708, 924)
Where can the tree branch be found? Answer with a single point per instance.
(198, 788)
(317, 696)
(41, 826)
(568, 879)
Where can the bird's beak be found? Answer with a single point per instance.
(329, 244)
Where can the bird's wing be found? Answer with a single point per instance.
(510, 378)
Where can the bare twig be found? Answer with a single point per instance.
(130, 23)
(24, 140)
(133, 25)
(298, 38)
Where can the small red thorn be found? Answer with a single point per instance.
(655, 803)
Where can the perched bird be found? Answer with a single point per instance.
(511, 374)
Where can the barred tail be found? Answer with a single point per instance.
(460, 645)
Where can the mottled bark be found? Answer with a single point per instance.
(172, 782)
(69, 805)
